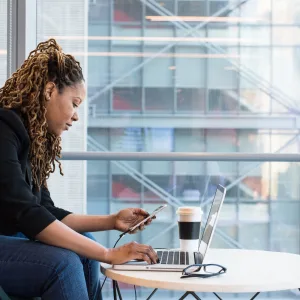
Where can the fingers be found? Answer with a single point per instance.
(143, 252)
(141, 211)
(148, 254)
(131, 251)
(150, 220)
(142, 227)
(134, 231)
(151, 253)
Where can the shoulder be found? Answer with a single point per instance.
(11, 124)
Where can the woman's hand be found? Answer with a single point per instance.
(129, 217)
(131, 251)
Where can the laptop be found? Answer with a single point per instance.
(176, 260)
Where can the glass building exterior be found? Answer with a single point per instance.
(220, 78)
(184, 76)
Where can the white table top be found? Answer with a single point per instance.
(247, 271)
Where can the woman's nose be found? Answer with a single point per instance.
(75, 117)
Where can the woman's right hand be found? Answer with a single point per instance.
(131, 251)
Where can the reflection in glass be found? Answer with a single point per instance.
(127, 11)
(157, 84)
(159, 99)
(126, 99)
(191, 99)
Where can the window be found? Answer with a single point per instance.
(192, 8)
(190, 99)
(127, 99)
(3, 41)
(127, 11)
(225, 87)
(159, 99)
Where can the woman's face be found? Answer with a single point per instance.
(62, 107)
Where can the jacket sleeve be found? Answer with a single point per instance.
(47, 202)
(19, 207)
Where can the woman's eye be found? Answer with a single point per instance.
(75, 105)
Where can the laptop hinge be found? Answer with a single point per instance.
(198, 258)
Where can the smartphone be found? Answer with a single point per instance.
(155, 212)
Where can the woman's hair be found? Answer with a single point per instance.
(24, 92)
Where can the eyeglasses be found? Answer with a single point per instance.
(210, 270)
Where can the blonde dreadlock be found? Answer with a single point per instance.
(24, 92)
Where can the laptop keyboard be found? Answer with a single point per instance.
(169, 257)
(173, 257)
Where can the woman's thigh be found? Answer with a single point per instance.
(29, 268)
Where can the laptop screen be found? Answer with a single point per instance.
(211, 220)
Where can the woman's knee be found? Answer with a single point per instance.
(67, 276)
(61, 258)
(52, 269)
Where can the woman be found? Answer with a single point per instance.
(44, 250)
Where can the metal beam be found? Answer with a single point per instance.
(249, 121)
(182, 156)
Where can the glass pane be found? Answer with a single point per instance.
(125, 188)
(99, 11)
(191, 100)
(159, 99)
(285, 67)
(127, 98)
(67, 22)
(191, 8)
(166, 6)
(3, 41)
(192, 61)
(160, 84)
(158, 140)
(285, 235)
(159, 182)
(284, 12)
(127, 11)
(157, 72)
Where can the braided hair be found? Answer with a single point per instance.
(24, 93)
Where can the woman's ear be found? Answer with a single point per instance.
(49, 88)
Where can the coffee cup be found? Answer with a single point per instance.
(189, 223)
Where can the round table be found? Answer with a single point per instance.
(247, 271)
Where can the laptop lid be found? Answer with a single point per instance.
(212, 220)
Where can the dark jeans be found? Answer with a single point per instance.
(33, 269)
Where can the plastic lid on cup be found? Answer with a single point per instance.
(189, 210)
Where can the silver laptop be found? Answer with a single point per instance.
(175, 260)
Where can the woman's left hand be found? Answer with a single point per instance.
(129, 217)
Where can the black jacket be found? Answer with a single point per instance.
(22, 207)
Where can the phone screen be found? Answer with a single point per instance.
(156, 211)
